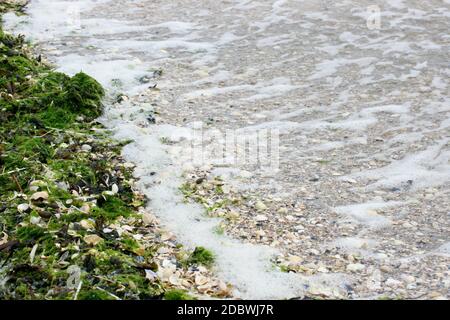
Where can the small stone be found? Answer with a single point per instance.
(85, 208)
(260, 206)
(92, 239)
(114, 189)
(150, 275)
(63, 185)
(165, 273)
(4, 239)
(174, 280)
(260, 233)
(23, 207)
(294, 260)
(408, 278)
(87, 224)
(355, 267)
(283, 210)
(349, 180)
(407, 225)
(86, 148)
(45, 214)
(166, 236)
(163, 250)
(434, 295)
(393, 283)
(148, 219)
(386, 269)
(35, 220)
(261, 217)
(233, 215)
(201, 280)
(350, 257)
(38, 183)
(322, 269)
(43, 195)
(319, 290)
(204, 288)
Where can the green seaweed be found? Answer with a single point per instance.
(201, 256)
(177, 294)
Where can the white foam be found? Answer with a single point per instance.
(444, 250)
(352, 243)
(329, 67)
(427, 168)
(366, 213)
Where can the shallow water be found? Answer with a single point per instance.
(359, 95)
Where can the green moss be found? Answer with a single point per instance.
(56, 117)
(84, 94)
(284, 268)
(30, 233)
(201, 256)
(111, 208)
(139, 286)
(94, 295)
(177, 294)
(129, 244)
(33, 148)
(73, 171)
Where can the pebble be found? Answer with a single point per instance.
(85, 208)
(148, 219)
(261, 217)
(114, 189)
(23, 207)
(86, 148)
(35, 220)
(393, 283)
(92, 239)
(322, 269)
(386, 269)
(408, 278)
(294, 260)
(233, 215)
(87, 224)
(43, 195)
(260, 206)
(355, 267)
(283, 210)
